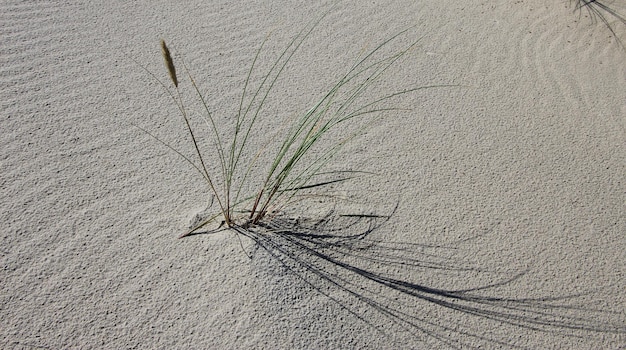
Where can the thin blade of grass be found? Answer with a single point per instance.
(314, 116)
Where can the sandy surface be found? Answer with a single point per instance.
(506, 195)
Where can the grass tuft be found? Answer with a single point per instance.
(299, 156)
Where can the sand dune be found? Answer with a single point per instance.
(496, 218)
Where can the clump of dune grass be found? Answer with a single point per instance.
(299, 156)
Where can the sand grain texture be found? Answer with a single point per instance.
(517, 179)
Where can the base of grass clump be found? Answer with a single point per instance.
(285, 171)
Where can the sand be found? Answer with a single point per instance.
(505, 195)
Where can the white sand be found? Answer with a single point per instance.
(515, 179)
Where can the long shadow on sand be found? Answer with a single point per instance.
(360, 272)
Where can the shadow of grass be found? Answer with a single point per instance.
(382, 276)
(600, 10)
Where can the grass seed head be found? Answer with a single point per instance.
(169, 62)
